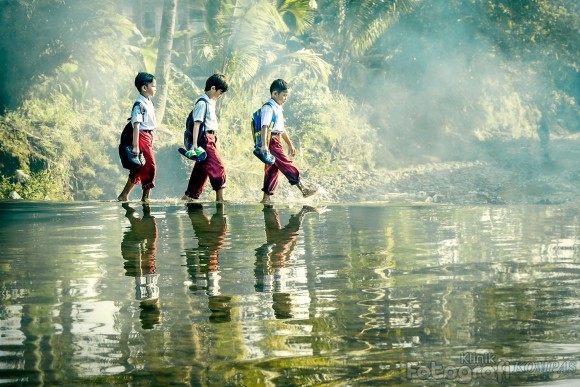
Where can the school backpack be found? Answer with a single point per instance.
(188, 133)
(127, 140)
(257, 124)
(266, 158)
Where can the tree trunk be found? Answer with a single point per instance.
(164, 57)
(187, 25)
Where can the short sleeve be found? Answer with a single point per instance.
(199, 111)
(136, 115)
(267, 113)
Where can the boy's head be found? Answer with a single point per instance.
(279, 90)
(146, 84)
(215, 86)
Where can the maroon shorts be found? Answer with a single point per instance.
(283, 164)
(212, 167)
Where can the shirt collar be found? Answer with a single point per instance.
(275, 103)
(211, 101)
(144, 99)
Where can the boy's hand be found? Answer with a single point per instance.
(264, 149)
(136, 150)
(292, 150)
(137, 159)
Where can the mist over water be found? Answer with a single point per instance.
(445, 86)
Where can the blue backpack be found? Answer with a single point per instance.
(267, 158)
(257, 124)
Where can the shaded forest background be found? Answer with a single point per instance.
(376, 85)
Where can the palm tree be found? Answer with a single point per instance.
(41, 36)
(349, 28)
(247, 41)
(164, 56)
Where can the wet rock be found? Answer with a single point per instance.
(14, 195)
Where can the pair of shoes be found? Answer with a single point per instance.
(135, 159)
(307, 192)
(197, 154)
(265, 157)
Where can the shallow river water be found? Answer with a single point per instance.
(240, 294)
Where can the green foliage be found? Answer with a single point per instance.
(43, 185)
(543, 36)
(46, 34)
(249, 41)
(74, 148)
(329, 129)
(349, 29)
(401, 92)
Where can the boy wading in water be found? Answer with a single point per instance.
(144, 123)
(212, 166)
(272, 112)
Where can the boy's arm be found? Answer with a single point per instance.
(289, 143)
(195, 134)
(136, 138)
(264, 134)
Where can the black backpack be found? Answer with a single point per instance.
(127, 139)
(188, 133)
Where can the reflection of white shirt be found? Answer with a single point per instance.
(267, 113)
(147, 120)
(211, 122)
(146, 287)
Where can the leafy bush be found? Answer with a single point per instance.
(39, 186)
(330, 130)
(74, 148)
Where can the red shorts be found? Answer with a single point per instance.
(146, 174)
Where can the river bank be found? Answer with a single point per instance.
(507, 173)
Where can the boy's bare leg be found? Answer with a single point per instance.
(145, 197)
(219, 195)
(124, 195)
(266, 198)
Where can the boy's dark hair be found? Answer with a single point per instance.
(143, 79)
(217, 80)
(279, 85)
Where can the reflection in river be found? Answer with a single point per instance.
(206, 294)
(138, 249)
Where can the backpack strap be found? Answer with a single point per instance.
(202, 126)
(140, 105)
(133, 108)
(188, 134)
(274, 115)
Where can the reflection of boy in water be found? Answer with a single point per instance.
(272, 255)
(138, 249)
(203, 261)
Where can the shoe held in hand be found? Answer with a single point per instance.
(197, 154)
(136, 159)
(265, 157)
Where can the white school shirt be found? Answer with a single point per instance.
(211, 122)
(267, 113)
(147, 120)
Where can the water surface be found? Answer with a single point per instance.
(368, 294)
